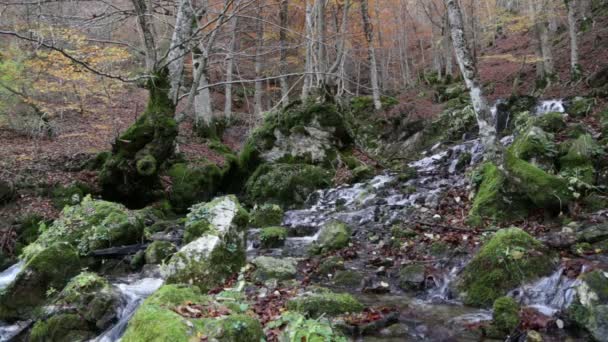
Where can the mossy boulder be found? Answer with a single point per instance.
(347, 278)
(286, 184)
(324, 302)
(311, 133)
(63, 195)
(93, 299)
(580, 106)
(590, 307)
(159, 251)
(274, 268)
(48, 268)
(157, 320)
(578, 161)
(535, 146)
(593, 233)
(131, 173)
(551, 122)
(329, 265)
(296, 327)
(210, 259)
(266, 215)
(505, 317)
(333, 235)
(61, 328)
(509, 259)
(273, 237)
(544, 190)
(90, 225)
(411, 277)
(192, 184)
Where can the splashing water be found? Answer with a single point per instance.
(10, 274)
(549, 106)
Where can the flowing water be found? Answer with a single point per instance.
(371, 208)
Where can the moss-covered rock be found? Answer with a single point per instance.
(266, 215)
(61, 328)
(510, 258)
(578, 162)
(48, 268)
(590, 307)
(329, 265)
(273, 268)
(234, 328)
(273, 237)
(286, 184)
(333, 235)
(580, 106)
(362, 172)
(412, 277)
(69, 195)
(219, 252)
(324, 302)
(535, 146)
(505, 317)
(593, 233)
(543, 189)
(159, 251)
(551, 122)
(191, 184)
(92, 297)
(347, 278)
(131, 173)
(91, 225)
(296, 327)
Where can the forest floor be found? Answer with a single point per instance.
(51, 161)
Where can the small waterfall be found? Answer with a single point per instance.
(133, 295)
(9, 275)
(440, 293)
(549, 295)
(549, 106)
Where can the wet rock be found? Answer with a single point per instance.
(411, 277)
(159, 251)
(218, 253)
(510, 258)
(330, 265)
(333, 235)
(590, 308)
(347, 278)
(274, 268)
(593, 233)
(375, 285)
(46, 268)
(61, 328)
(6, 191)
(266, 215)
(561, 239)
(324, 302)
(273, 237)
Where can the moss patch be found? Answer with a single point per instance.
(315, 304)
(192, 184)
(266, 215)
(61, 328)
(273, 237)
(511, 258)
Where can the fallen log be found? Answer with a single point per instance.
(114, 252)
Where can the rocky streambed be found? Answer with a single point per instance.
(390, 258)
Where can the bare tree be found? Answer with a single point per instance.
(468, 68)
(575, 67)
(371, 54)
(234, 42)
(283, 17)
(258, 88)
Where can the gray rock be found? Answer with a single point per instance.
(593, 233)
(274, 268)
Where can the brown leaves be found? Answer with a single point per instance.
(191, 310)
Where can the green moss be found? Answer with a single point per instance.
(286, 184)
(401, 232)
(274, 268)
(192, 184)
(176, 294)
(273, 237)
(159, 251)
(543, 189)
(578, 162)
(61, 328)
(196, 229)
(551, 122)
(146, 165)
(234, 328)
(69, 195)
(155, 323)
(40, 273)
(347, 278)
(580, 106)
(536, 146)
(333, 235)
(266, 215)
(492, 198)
(330, 265)
(322, 302)
(512, 257)
(505, 315)
(362, 172)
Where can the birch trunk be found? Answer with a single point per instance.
(178, 47)
(144, 18)
(308, 67)
(575, 68)
(371, 54)
(257, 95)
(485, 121)
(283, 16)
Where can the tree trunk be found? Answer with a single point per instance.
(144, 18)
(575, 67)
(257, 95)
(283, 17)
(371, 54)
(545, 64)
(230, 65)
(178, 47)
(308, 64)
(468, 68)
